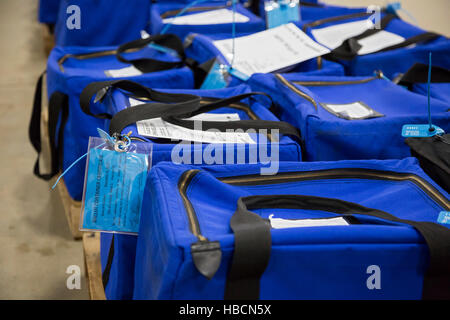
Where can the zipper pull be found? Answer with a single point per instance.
(379, 74)
(207, 256)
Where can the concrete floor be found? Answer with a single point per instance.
(36, 243)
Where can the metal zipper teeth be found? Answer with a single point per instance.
(336, 83)
(293, 88)
(431, 191)
(92, 55)
(183, 184)
(334, 19)
(172, 13)
(187, 176)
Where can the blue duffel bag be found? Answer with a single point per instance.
(323, 230)
(393, 46)
(206, 19)
(48, 11)
(69, 70)
(118, 251)
(343, 118)
(416, 80)
(100, 22)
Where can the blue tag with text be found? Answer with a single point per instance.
(281, 12)
(217, 77)
(420, 131)
(114, 189)
(444, 217)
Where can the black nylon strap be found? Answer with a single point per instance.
(350, 47)
(283, 127)
(100, 87)
(57, 109)
(175, 112)
(166, 111)
(252, 242)
(146, 65)
(418, 73)
(34, 127)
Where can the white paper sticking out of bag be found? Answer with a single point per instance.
(158, 128)
(333, 36)
(378, 41)
(270, 50)
(280, 223)
(130, 71)
(218, 16)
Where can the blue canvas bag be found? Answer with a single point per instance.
(409, 45)
(101, 22)
(344, 118)
(416, 79)
(227, 232)
(160, 12)
(69, 70)
(118, 251)
(48, 11)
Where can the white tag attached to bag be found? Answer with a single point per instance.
(279, 223)
(351, 111)
(158, 128)
(270, 50)
(130, 71)
(219, 16)
(378, 41)
(333, 36)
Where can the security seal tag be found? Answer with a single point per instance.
(115, 178)
(420, 131)
(444, 217)
(218, 76)
(281, 12)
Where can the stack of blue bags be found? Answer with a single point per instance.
(326, 196)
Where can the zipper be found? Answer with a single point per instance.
(319, 22)
(290, 85)
(172, 13)
(296, 90)
(92, 55)
(183, 184)
(284, 177)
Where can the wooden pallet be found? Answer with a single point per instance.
(72, 210)
(91, 249)
(48, 39)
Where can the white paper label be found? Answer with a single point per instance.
(124, 72)
(278, 223)
(157, 128)
(333, 36)
(270, 50)
(355, 110)
(218, 16)
(378, 41)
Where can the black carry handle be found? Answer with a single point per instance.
(58, 111)
(253, 242)
(146, 65)
(350, 47)
(418, 73)
(176, 112)
(138, 90)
